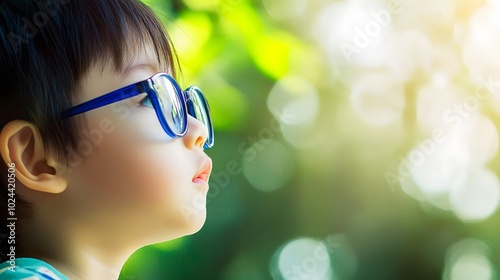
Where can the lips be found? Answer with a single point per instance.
(203, 174)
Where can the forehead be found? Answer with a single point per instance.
(135, 53)
(139, 63)
(142, 58)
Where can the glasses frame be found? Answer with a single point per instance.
(147, 86)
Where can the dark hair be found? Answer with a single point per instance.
(47, 46)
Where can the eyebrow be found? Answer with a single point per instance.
(127, 70)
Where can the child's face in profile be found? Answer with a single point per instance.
(134, 181)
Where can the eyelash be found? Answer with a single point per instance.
(146, 100)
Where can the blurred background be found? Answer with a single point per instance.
(355, 139)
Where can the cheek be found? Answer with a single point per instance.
(155, 183)
(133, 152)
(140, 173)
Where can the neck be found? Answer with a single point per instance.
(81, 267)
(82, 257)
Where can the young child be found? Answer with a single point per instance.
(102, 152)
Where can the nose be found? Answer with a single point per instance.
(196, 135)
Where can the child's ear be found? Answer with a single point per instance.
(21, 144)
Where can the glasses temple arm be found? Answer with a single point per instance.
(101, 101)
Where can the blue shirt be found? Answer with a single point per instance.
(29, 269)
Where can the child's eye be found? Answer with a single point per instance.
(146, 102)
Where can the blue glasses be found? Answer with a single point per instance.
(172, 105)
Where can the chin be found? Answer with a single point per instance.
(196, 223)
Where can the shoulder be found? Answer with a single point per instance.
(29, 269)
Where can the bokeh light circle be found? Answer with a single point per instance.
(469, 259)
(378, 99)
(478, 197)
(304, 258)
(435, 106)
(481, 42)
(438, 167)
(267, 165)
(293, 100)
(354, 32)
(481, 135)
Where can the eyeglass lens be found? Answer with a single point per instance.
(199, 109)
(170, 104)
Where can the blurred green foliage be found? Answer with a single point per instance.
(236, 53)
